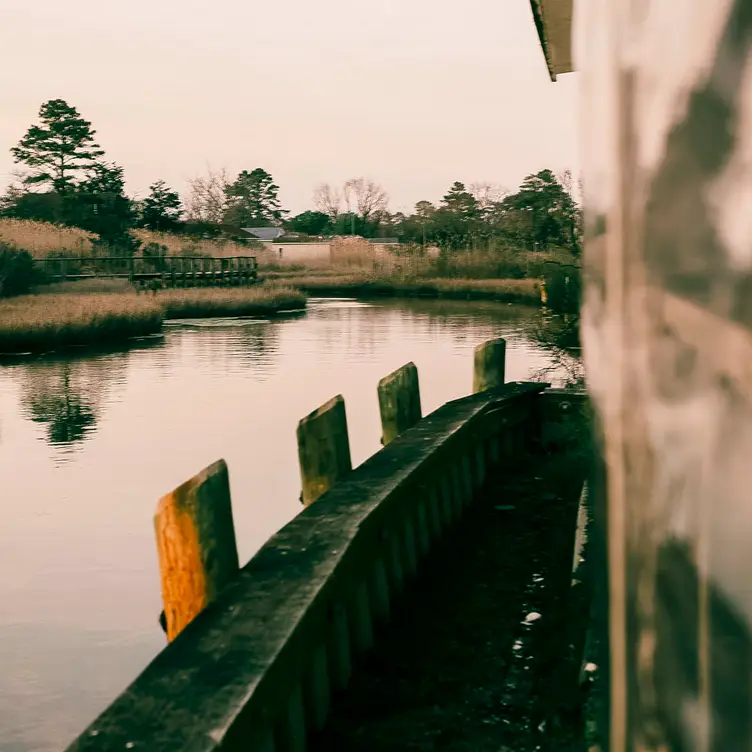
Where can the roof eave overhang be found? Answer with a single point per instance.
(553, 21)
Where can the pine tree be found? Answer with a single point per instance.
(160, 210)
(252, 200)
(58, 150)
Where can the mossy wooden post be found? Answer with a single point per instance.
(399, 402)
(196, 545)
(490, 361)
(323, 449)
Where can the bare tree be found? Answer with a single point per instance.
(366, 198)
(328, 200)
(207, 198)
(487, 194)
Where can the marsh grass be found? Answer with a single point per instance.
(41, 239)
(230, 301)
(39, 323)
(502, 290)
(68, 317)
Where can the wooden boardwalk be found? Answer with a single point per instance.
(164, 271)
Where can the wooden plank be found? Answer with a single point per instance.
(399, 402)
(196, 545)
(323, 449)
(489, 365)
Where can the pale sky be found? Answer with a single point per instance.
(414, 94)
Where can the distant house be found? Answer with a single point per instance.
(264, 233)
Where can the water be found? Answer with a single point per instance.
(89, 443)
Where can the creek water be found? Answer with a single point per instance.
(90, 441)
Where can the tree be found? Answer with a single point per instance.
(207, 197)
(328, 200)
(543, 212)
(460, 201)
(161, 209)
(99, 204)
(58, 150)
(311, 223)
(252, 200)
(365, 198)
(425, 209)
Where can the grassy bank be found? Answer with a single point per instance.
(38, 323)
(525, 291)
(68, 316)
(205, 303)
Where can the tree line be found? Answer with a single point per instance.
(65, 178)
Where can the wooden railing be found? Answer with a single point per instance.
(256, 653)
(172, 271)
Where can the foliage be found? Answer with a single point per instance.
(161, 209)
(59, 149)
(542, 212)
(310, 223)
(99, 204)
(252, 200)
(17, 272)
(563, 287)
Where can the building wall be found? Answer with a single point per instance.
(667, 337)
(312, 254)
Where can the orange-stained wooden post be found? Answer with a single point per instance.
(196, 545)
(489, 366)
(323, 449)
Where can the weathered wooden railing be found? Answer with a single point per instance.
(174, 271)
(256, 653)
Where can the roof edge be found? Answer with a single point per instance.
(540, 26)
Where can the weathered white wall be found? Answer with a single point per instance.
(666, 93)
(313, 254)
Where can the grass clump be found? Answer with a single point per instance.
(87, 314)
(230, 301)
(503, 290)
(39, 323)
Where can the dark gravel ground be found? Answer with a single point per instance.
(472, 660)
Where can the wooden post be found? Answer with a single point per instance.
(62, 270)
(196, 545)
(490, 359)
(323, 449)
(132, 272)
(399, 402)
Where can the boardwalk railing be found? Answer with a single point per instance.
(256, 653)
(170, 271)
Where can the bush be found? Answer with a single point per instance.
(563, 287)
(17, 271)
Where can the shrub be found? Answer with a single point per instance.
(17, 271)
(563, 283)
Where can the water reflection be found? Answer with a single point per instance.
(67, 393)
(80, 608)
(67, 416)
(67, 397)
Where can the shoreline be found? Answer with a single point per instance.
(523, 291)
(47, 323)
(58, 322)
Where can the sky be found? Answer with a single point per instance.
(410, 93)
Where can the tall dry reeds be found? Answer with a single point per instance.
(68, 317)
(38, 323)
(184, 245)
(41, 239)
(229, 301)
